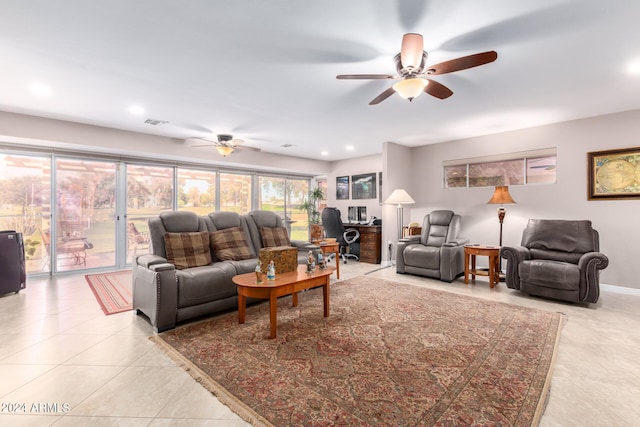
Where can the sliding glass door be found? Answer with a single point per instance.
(149, 192)
(25, 206)
(85, 220)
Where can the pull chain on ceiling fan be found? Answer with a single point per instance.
(410, 65)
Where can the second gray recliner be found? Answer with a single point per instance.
(437, 252)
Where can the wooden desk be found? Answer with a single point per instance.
(370, 242)
(493, 252)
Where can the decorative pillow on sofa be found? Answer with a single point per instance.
(186, 250)
(230, 244)
(274, 236)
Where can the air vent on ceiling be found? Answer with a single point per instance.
(155, 122)
(287, 145)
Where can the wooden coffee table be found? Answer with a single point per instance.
(284, 284)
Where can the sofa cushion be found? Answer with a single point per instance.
(274, 236)
(230, 244)
(205, 284)
(186, 250)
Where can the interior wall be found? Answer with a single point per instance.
(350, 167)
(396, 158)
(31, 130)
(616, 220)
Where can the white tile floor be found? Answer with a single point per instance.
(64, 363)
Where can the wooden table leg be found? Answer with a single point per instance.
(273, 318)
(242, 308)
(337, 252)
(466, 267)
(325, 297)
(473, 268)
(294, 299)
(492, 270)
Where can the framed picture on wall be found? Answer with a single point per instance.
(614, 174)
(363, 186)
(342, 188)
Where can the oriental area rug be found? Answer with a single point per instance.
(389, 354)
(112, 290)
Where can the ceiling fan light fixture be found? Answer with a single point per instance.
(224, 150)
(410, 88)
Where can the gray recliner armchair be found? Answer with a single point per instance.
(558, 259)
(437, 252)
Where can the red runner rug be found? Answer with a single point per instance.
(112, 290)
(389, 354)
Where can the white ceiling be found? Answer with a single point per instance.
(265, 71)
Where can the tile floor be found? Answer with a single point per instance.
(64, 363)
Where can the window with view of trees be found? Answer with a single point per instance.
(235, 193)
(537, 167)
(196, 191)
(284, 196)
(71, 211)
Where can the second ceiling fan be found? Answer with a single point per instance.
(411, 68)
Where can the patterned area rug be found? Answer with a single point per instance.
(112, 290)
(389, 354)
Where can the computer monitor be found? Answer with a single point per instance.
(362, 213)
(352, 214)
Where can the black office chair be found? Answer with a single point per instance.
(333, 227)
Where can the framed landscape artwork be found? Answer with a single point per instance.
(614, 174)
(363, 186)
(342, 188)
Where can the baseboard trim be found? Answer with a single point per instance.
(620, 290)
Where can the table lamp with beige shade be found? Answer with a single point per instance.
(399, 197)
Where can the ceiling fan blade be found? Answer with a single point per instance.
(244, 147)
(365, 76)
(411, 51)
(384, 95)
(204, 145)
(462, 63)
(437, 89)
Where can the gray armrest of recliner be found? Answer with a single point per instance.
(403, 243)
(155, 291)
(451, 261)
(590, 265)
(514, 255)
(457, 242)
(147, 260)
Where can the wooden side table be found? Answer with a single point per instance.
(493, 252)
(332, 248)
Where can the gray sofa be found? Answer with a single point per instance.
(167, 295)
(437, 252)
(558, 259)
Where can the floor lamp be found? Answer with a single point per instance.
(501, 197)
(399, 197)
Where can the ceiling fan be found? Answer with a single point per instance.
(226, 144)
(410, 65)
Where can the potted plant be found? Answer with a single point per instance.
(312, 205)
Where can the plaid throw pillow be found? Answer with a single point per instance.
(274, 236)
(186, 250)
(230, 244)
